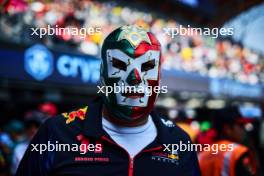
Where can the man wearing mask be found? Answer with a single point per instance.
(125, 136)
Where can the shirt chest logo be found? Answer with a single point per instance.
(79, 114)
(172, 158)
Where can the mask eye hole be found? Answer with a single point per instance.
(119, 64)
(148, 65)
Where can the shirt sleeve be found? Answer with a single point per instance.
(36, 161)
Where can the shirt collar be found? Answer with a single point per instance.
(93, 123)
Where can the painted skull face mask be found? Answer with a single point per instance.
(130, 61)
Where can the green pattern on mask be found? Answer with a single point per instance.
(111, 42)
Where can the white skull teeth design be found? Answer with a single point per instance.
(121, 66)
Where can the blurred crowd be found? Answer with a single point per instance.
(217, 58)
(15, 136)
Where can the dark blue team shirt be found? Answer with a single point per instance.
(104, 157)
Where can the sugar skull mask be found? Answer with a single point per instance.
(131, 66)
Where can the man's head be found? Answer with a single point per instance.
(229, 125)
(131, 63)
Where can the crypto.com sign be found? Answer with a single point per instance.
(40, 63)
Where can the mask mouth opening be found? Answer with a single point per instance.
(133, 95)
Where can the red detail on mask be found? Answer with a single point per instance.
(137, 76)
(142, 48)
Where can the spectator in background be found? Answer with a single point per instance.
(235, 162)
(33, 120)
(15, 129)
(181, 118)
(6, 146)
(10, 137)
(3, 164)
(12, 6)
(49, 109)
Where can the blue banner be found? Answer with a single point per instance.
(40, 64)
